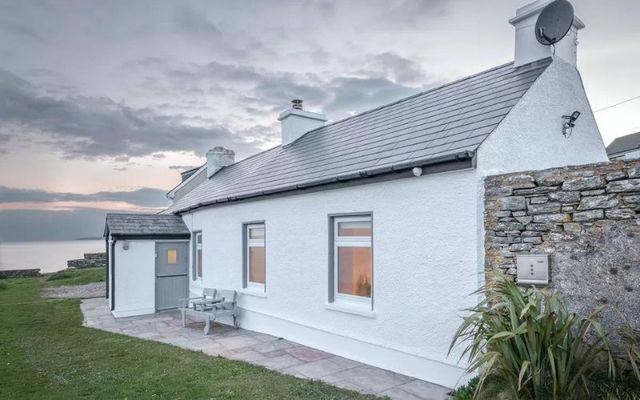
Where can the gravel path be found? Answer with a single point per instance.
(76, 292)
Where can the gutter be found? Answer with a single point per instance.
(450, 158)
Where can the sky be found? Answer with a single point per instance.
(104, 103)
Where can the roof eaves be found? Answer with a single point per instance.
(179, 185)
(457, 157)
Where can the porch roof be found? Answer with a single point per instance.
(145, 226)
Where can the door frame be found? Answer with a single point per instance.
(155, 268)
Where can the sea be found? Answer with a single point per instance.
(48, 256)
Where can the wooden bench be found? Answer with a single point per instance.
(208, 307)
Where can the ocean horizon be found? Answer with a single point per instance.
(49, 256)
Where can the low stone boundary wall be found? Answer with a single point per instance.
(89, 260)
(587, 218)
(19, 273)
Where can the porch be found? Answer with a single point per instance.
(268, 351)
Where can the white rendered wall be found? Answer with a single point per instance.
(135, 278)
(425, 267)
(530, 136)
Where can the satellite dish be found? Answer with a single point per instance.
(554, 22)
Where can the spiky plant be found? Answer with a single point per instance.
(530, 339)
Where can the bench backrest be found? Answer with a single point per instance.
(230, 296)
(208, 292)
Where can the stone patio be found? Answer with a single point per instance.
(268, 351)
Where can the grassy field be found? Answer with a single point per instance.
(46, 353)
(77, 276)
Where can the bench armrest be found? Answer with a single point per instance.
(185, 301)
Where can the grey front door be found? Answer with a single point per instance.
(172, 273)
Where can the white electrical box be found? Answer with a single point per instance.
(533, 269)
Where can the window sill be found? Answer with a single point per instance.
(254, 292)
(351, 309)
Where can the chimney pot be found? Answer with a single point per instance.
(296, 104)
(218, 158)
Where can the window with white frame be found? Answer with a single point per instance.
(197, 256)
(352, 268)
(255, 273)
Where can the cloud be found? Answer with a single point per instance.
(354, 95)
(260, 93)
(399, 69)
(87, 127)
(409, 14)
(191, 23)
(16, 28)
(181, 168)
(145, 197)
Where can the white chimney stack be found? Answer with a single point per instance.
(528, 49)
(218, 158)
(296, 122)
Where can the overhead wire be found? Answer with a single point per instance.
(618, 104)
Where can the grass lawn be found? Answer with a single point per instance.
(46, 353)
(77, 276)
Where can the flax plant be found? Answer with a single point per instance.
(528, 338)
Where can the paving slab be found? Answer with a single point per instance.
(261, 349)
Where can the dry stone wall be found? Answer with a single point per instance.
(587, 218)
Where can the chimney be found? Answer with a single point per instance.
(296, 122)
(218, 158)
(528, 49)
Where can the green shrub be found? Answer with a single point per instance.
(3, 286)
(631, 349)
(530, 340)
(466, 392)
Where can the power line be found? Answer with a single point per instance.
(617, 104)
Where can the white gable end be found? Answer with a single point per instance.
(530, 136)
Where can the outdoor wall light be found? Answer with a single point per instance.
(570, 122)
(417, 171)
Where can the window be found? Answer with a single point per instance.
(196, 272)
(254, 273)
(172, 257)
(352, 269)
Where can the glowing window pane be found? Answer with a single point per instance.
(256, 233)
(172, 256)
(256, 265)
(354, 271)
(354, 228)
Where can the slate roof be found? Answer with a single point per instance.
(441, 124)
(624, 144)
(145, 225)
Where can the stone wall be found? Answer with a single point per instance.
(89, 260)
(19, 273)
(587, 218)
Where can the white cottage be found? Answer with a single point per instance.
(363, 237)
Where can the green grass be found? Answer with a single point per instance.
(46, 353)
(77, 276)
